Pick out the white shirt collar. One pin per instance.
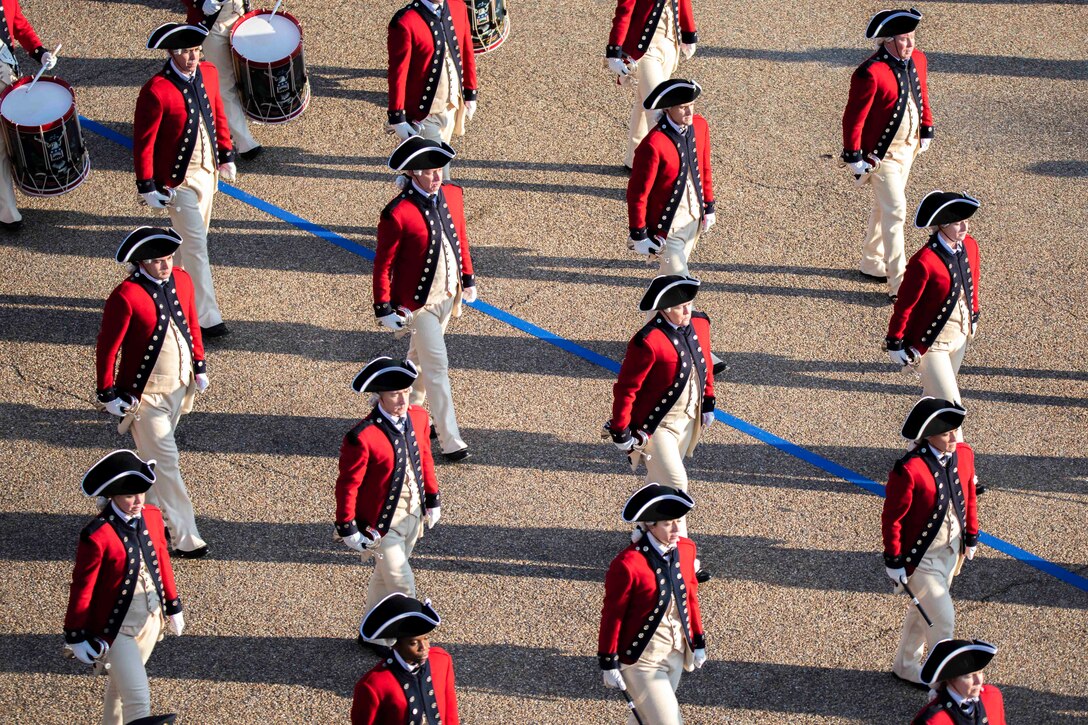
(186, 77)
(658, 546)
(400, 660)
(430, 6)
(679, 129)
(960, 699)
(159, 282)
(947, 243)
(124, 517)
(425, 194)
(390, 417)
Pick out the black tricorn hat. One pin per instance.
(118, 473)
(155, 720)
(888, 23)
(944, 207)
(176, 36)
(668, 290)
(657, 502)
(398, 616)
(673, 92)
(148, 243)
(932, 416)
(954, 657)
(416, 153)
(384, 373)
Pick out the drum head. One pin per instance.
(266, 38)
(44, 103)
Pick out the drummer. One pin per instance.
(220, 17)
(15, 27)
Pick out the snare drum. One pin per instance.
(41, 129)
(490, 24)
(267, 52)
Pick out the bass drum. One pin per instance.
(268, 63)
(41, 129)
(490, 24)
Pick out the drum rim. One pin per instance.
(47, 126)
(503, 34)
(83, 176)
(265, 64)
(274, 120)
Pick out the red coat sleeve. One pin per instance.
(450, 705)
(921, 63)
(399, 43)
(687, 22)
(423, 438)
(643, 173)
(696, 618)
(910, 294)
(977, 273)
(633, 371)
(704, 167)
(897, 499)
(21, 29)
(145, 127)
(353, 460)
(970, 505)
(621, 21)
(862, 92)
(111, 334)
(84, 575)
(222, 126)
(462, 232)
(389, 234)
(617, 593)
(172, 605)
(194, 327)
(365, 704)
(194, 14)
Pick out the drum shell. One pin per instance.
(490, 24)
(47, 159)
(276, 91)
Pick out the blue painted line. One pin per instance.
(590, 356)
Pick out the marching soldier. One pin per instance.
(953, 671)
(432, 71)
(887, 122)
(387, 487)
(670, 196)
(150, 320)
(929, 526)
(219, 17)
(181, 145)
(15, 28)
(644, 48)
(422, 274)
(664, 396)
(122, 590)
(937, 312)
(651, 630)
(413, 683)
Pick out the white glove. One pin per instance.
(688, 49)
(48, 61)
(228, 171)
(393, 321)
(470, 109)
(924, 145)
(899, 576)
(899, 357)
(644, 247)
(156, 199)
(354, 541)
(974, 328)
(860, 168)
(626, 446)
(709, 220)
(87, 651)
(201, 382)
(468, 294)
(372, 539)
(404, 130)
(117, 407)
(613, 680)
(618, 67)
(211, 7)
(177, 623)
(700, 657)
(970, 554)
(433, 515)
(708, 419)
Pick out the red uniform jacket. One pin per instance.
(635, 22)
(635, 596)
(660, 172)
(409, 241)
(374, 458)
(918, 494)
(109, 554)
(19, 30)
(943, 710)
(417, 48)
(379, 695)
(658, 356)
(164, 130)
(877, 103)
(927, 296)
(133, 326)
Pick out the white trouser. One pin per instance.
(128, 694)
(930, 582)
(678, 247)
(217, 51)
(191, 215)
(9, 211)
(938, 369)
(427, 350)
(154, 435)
(652, 685)
(439, 127)
(392, 572)
(882, 254)
(661, 60)
(667, 449)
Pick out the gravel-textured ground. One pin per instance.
(800, 622)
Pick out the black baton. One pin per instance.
(631, 704)
(915, 602)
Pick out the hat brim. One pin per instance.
(672, 294)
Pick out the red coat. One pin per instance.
(636, 21)
(939, 711)
(164, 127)
(875, 107)
(379, 695)
(130, 325)
(20, 31)
(927, 298)
(99, 596)
(630, 596)
(372, 470)
(918, 493)
(414, 67)
(656, 178)
(645, 389)
(409, 239)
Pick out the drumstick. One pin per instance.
(42, 69)
(276, 9)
